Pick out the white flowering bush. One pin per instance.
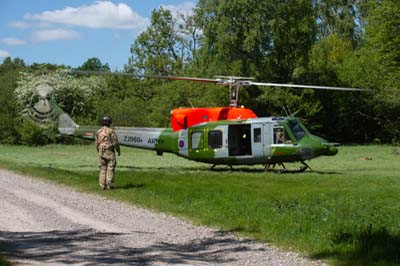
(73, 94)
(35, 92)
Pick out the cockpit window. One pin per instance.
(296, 129)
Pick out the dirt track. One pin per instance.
(45, 224)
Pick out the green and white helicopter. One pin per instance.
(231, 135)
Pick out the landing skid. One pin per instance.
(305, 166)
(212, 168)
(270, 167)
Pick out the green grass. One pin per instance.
(346, 212)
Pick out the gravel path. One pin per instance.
(45, 224)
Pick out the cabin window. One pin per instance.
(257, 135)
(215, 139)
(197, 142)
(281, 136)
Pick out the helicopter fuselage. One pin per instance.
(267, 140)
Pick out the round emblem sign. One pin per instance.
(181, 143)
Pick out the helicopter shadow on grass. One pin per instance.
(130, 186)
(227, 169)
(273, 171)
(325, 172)
(372, 247)
(223, 169)
(160, 168)
(148, 168)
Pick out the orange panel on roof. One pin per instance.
(182, 118)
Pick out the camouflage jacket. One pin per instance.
(106, 139)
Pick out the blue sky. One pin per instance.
(70, 32)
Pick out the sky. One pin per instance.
(68, 32)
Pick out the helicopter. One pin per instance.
(231, 135)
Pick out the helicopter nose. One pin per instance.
(330, 150)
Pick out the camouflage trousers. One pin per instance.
(107, 163)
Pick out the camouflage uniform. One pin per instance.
(107, 145)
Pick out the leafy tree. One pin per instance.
(94, 64)
(293, 31)
(9, 63)
(236, 36)
(326, 59)
(126, 100)
(266, 39)
(33, 135)
(340, 17)
(376, 67)
(191, 34)
(9, 73)
(383, 31)
(165, 47)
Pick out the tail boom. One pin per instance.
(158, 139)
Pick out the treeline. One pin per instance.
(352, 43)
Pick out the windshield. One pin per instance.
(296, 129)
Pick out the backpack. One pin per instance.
(104, 139)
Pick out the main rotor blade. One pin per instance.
(185, 78)
(234, 78)
(88, 72)
(305, 86)
(221, 80)
(106, 73)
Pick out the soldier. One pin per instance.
(279, 137)
(107, 145)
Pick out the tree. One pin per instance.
(236, 36)
(9, 73)
(383, 31)
(94, 64)
(376, 67)
(343, 18)
(165, 47)
(293, 34)
(8, 62)
(266, 39)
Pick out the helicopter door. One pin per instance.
(257, 140)
(239, 140)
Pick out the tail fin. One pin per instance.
(66, 125)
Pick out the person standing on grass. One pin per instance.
(107, 145)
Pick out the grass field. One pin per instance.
(346, 212)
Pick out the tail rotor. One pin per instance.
(43, 111)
